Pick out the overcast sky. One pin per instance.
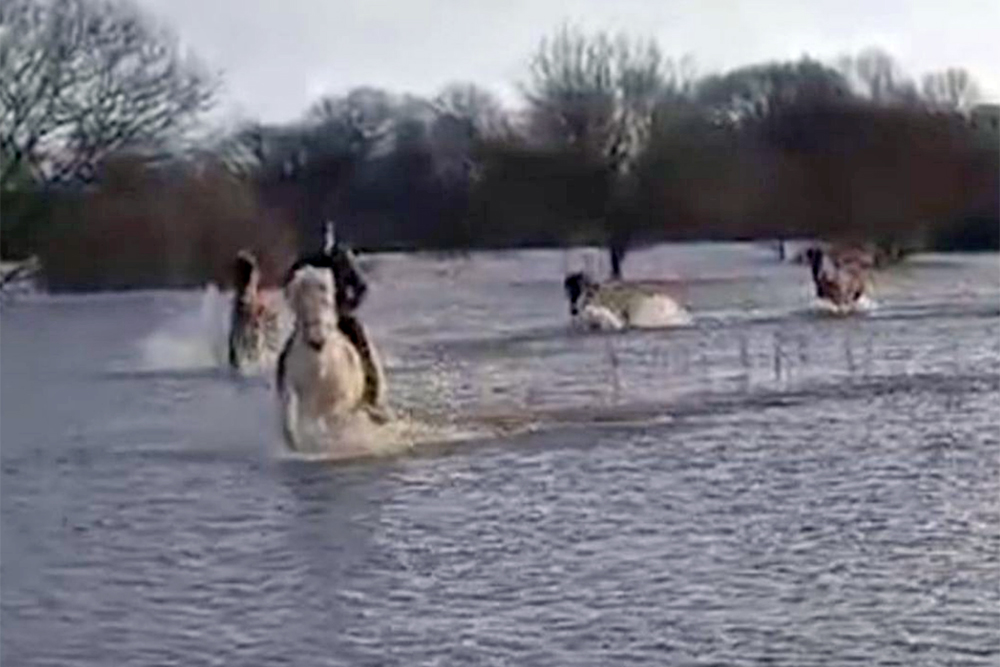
(280, 55)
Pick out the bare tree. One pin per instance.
(465, 117)
(86, 78)
(363, 118)
(475, 105)
(597, 94)
(952, 89)
(875, 75)
(757, 92)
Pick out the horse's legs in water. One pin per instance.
(374, 394)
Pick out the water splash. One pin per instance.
(192, 341)
(658, 311)
(865, 304)
(198, 339)
(356, 436)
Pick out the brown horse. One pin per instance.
(254, 332)
(843, 280)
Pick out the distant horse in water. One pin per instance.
(843, 280)
(254, 331)
(619, 305)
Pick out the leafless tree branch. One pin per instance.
(92, 77)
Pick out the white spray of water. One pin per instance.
(658, 311)
(357, 436)
(865, 304)
(194, 340)
(198, 339)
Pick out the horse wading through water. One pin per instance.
(254, 328)
(321, 375)
(841, 279)
(620, 305)
(324, 290)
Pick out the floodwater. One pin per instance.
(771, 485)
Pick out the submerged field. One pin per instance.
(771, 484)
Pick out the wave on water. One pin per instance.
(358, 437)
(863, 305)
(194, 340)
(198, 339)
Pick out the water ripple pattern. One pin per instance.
(771, 485)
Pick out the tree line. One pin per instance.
(109, 175)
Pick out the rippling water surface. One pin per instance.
(770, 485)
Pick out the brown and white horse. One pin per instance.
(254, 328)
(620, 305)
(841, 277)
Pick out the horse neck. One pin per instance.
(247, 294)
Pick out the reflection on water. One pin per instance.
(772, 484)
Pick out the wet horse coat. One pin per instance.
(351, 289)
(254, 331)
(842, 281)
(321, 377)
(620, 305)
